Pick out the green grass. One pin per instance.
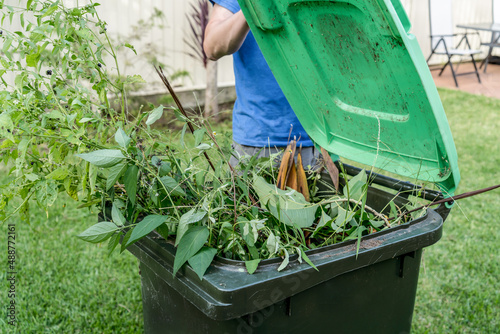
(459, 289)
(66, 285)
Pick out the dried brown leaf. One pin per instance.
(286, 165)
(332, 169)
(302, 179)
(292, 178)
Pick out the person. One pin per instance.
(263, 121)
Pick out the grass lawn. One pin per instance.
(459, 284)
(65, 285)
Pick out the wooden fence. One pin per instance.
(128, 19)
(123, 14)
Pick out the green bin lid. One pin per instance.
(359, 83)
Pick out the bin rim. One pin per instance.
(227, 291)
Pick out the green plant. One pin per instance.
(61, 132)
(198, 19)
(147, 53)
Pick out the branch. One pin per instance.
(449, 199)
(181, 108)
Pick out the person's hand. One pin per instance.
(225, 32)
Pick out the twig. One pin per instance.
(449, 199)
(181, 108)
(368, 208)
(19, 207)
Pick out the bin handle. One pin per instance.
(403, 17)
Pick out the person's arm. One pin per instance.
(225, 32)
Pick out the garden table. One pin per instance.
(494, 28)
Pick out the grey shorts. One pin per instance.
(311, 156)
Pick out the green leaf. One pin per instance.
(31, 177)
(85, 34)
(165, 168)
(202, 260)
(32, 59)
(55, 114)
(77, 103)
(85, 120)
(70, 119)
(20, 80)
(358, 234)
(71, 189)
(103, 158)
(285, 262)
(308, 261)
(113, 242)
(341, 219)
(183, 133)
(299, 253)
(203, 147)
(155, 161)
(252, 265)
(131, 176)
(190, 217)
(46, 192)
(146, 226)
(132, 79)
(117, 216)
(22, 148)
(98, 232)
(24, 212)
(122, 139)
(155, 115)
(59, 174)
(322, 221)
(163, 231)
(394, 209)
(7, 43)
(334, 209)
(356, 187)
(92, 178)
(272, 243)
(6, 127)
(115, 172)
(289, 206)
(172, 186)
(50, 10)
(377, 223)
(131, 47)
(125, 239)
(250, 233)
(198, 136)
(192, 241)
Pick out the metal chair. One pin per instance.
(441, 24)
(495, 37)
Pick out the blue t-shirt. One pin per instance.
(262, 115)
